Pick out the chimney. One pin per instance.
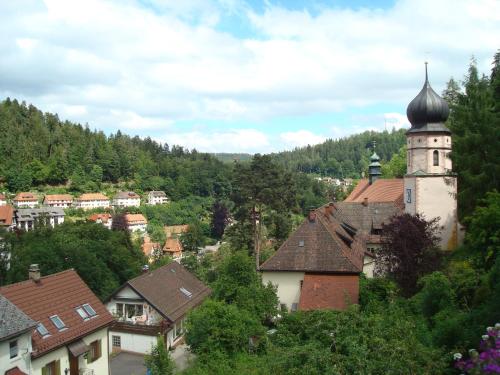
(365, 202)
(312, 216)
(34, 273)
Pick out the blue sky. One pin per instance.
(236, 75)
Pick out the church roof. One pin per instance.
(427, 112)
(381, 190)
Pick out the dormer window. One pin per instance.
(58, 322)
(435, 158)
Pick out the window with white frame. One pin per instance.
(116, 341)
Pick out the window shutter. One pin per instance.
(98, 349)
(58, 367)
(44, 370)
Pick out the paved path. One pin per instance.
(128, 364)
(133, 364)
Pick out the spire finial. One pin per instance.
(426, 75)
(374, 144)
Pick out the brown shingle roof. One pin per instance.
(6, 215)
(92, 197)
(26, 197)
(57, 294)
(382, 190)
(366, 217)
(328, 292)
(126, 195)
(58, 197)
(320, 245)
(162, 289)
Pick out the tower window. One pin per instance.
(435, 158)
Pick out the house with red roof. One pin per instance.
(318, 266)
(25, 200)
(104, 219)
(7, 217)
(71, 323)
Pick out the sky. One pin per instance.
(235, 75)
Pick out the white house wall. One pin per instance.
(100, 366)
(288, 284)
(133, 342)
(23, 357)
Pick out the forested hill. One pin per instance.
(37, 149)
(345, 157)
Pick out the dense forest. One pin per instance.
(345, 157)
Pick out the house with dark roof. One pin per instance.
(318, 266)
(126, 199)
(157, 197)
(154, 303)
(15, 339)
(29, 218)
(71, 335)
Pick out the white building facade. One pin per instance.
(157, 197)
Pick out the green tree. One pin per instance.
(216, 326)
(238, 283)
(159, 361)
(396, 167)
(258, 187)
(193, 239)
(475, 123)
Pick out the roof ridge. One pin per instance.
(42, 277)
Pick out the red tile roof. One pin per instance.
(57, 294)
(14, 371)
(26, 197)
(6, 215)
(92, 197)
(173, 245)
(58, 197)
(135, 219)
(103, 217)
(334, 292)
(382, 190)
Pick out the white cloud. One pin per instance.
(145, 67)
(301, 138)
(235, 140)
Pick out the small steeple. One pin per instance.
(374, 169)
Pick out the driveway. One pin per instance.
(128, 364)
(133, 364)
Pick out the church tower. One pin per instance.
(430, 188)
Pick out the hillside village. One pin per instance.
(391, 257)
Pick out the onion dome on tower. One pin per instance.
(428, 111)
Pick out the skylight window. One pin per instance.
(186, 292)
(89, 310)
(57, 322)
(42, 330)
(301, 243)
(83, 314)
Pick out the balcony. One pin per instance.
(145, 329)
